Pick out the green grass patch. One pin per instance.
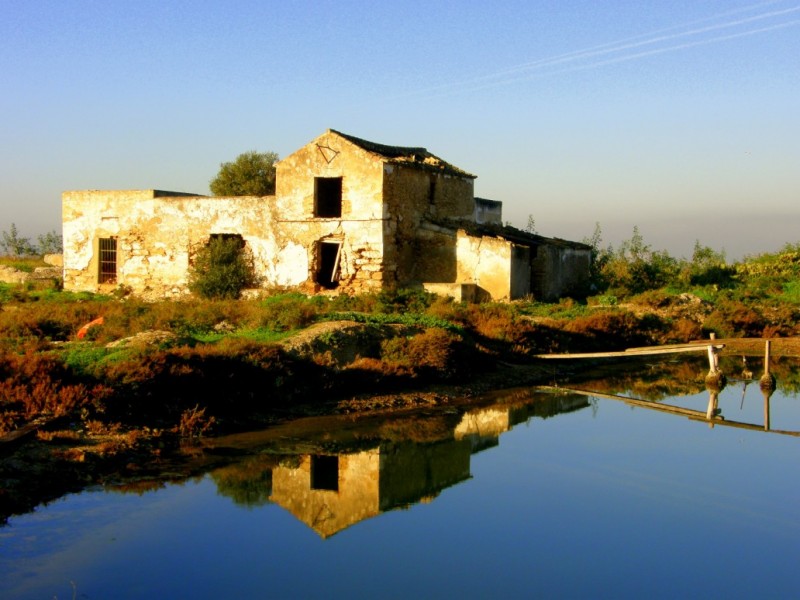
(566, 309)
(26, 265)
(791, 292)
(45, 292)
(84, 358)
(410, 319)
(260, 334)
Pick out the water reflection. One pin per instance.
(715, 382)
(333, 477)
(333, 472)
(246, 515)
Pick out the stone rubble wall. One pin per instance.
(12, 275)
(158, 236)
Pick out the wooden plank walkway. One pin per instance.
(700, 346)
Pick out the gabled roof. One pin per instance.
(418, 156)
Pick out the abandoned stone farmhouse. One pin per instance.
(348, 216)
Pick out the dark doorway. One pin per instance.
(328, 259)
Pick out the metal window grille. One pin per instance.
(108, 260)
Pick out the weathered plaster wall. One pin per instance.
(414, 196)
(361, 225)
(486, 262)
(559, 271)
(434, 257)
(156, 237)
(520, 271)
(330, 156)
(488, 211)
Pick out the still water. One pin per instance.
(522, 493)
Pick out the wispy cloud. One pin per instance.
(669, 39)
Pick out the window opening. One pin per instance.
(432, 190)
(330, 254)
(107, 268)
(328, 197)
(325, 472)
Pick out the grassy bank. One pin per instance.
(183, 367)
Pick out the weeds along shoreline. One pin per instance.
(185, 366)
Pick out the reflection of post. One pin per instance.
(713, 401)
(767, 381)
(767, 394)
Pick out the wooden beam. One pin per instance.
(651, 351)
(678, 410)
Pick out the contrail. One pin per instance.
(527, 71)
(638, 55)
(653, 40)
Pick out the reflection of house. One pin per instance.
(347, 214)
(330, 492)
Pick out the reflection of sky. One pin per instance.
(616, 502)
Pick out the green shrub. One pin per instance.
(403, 300)
(432, 351)
(222, 269)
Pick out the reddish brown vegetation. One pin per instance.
(35, 384)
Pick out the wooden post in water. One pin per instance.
(712, 355)
(767, 381)
(715, 378)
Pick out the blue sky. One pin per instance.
(680, 117)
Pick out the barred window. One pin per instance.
(107, 268)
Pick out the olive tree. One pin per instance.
(251, 174)
(13, 244)
(50, 243)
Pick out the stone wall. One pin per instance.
(361, 227)
(414, 197)
(488, 211)
(486, 262)
(344, 217)
(434, 257)
(559, 271)
(157, 236)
